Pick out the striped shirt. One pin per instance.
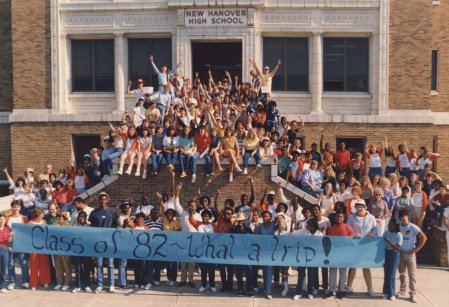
(154, 225)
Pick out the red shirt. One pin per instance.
(60, 196)
(202, 142)
(4, 236)
(223, 226)
(341, 230)
(71, 194)
(342, 158)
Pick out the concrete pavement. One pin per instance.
(432, 283)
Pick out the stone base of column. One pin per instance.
(317, 112)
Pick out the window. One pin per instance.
(93, 65)
(294, 54)
(346, 62)
(138, 51)
(434, 82)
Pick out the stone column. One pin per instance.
(119, 58)
(317, 73)
(62, 82)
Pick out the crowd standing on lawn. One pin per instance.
(189, 121)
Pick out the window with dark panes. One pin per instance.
(92, 65)
(294, 54)
(345, 65)
(139, 50)
(434, 81)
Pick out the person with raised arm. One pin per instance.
(163, 75)
(247, 204)
(266, 76)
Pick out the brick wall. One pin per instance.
(131, 186)
(410, 54)
(31, 60)
(5, 56)
(5, 148)
(440, 41)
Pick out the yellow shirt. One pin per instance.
(251, 144)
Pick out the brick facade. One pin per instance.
(410, 54)
(5, 148)
(5, 56)
(31, 60)
(440, 41)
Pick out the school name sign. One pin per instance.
(288, 250)
(216, 17)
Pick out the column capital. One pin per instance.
(317, 33)
(119, 34)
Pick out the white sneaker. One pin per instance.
(238, 169)
(202, 289)
(183, 174)
(156, 283)
(371, 293)
(76, 290)
(392, 298)
(112, 289)
(310, 296)
(348, 290)
(170, 283)
(413, 299)
(120, 171)
(33, 288)
(57, 287)
(258, 166)
(45, 285)
(284, 292)
(65, 288)
(11, 286)
(296, 297)
(245, 171)
(193, 178)
(136, 286)
(231, 177)
(88, 290)
(148, 286)
(144, 176)
(137, 174)
(128, 171)
(256, 289)
(213, 289)
(25, 285)
(142, 287)
(3, 290)
(98, 290)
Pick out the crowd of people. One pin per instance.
(187, 122)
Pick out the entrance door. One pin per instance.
(353, 144)
(218, 57)
(82, 144)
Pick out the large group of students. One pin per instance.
(185, 122)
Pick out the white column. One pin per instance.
(317, 73)
(119, 57)
(63, 83)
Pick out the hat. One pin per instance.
(141, 98)
(87, 156)
(103, 193)
(265, 138)
(296, 152)
(266, 67)
(140, 81)
(259, 103)
(124, 203)
(240, 216)
(287, 218)
(360, 204)
(271, 193)
(106, 138)
(30, 170)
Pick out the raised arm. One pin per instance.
(155, 69)
(253, 62)
(216, 204)
(262, 200)
(276, 68)
(10, 181)
(252, 197)
(282, 197)
(128, 91)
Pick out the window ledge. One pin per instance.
(347, 95)
(436, 2)
(290, 94)
(434, 93)
(92, 94)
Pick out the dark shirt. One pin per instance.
(103, 218)
(244, 230)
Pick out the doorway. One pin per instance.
(353, 143)
(219, 57)
(82, 144)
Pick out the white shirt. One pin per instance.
(403, 159)
(144, 209)
(184, 217)
(374, 160)
(74, 216)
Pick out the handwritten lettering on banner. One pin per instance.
(216, 17)
(286, 250)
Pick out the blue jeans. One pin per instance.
(247, 156)
(390, 268)
(153, 269)
(82, 271)
(4, 254)
(116, 154)
(23, 260)
(311, 275)
(100, 271)
(170, 157)
(389, 170)
(122, 273)
(156, 161)
(267, 278)
(374, 171)
(239, 269)
(206, 158)
(405, 171)
(207, 269)
(184, 161)
(226, 275)
(308, 190)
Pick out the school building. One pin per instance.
(356, 70)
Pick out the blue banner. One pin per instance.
(287, 250)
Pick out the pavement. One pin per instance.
(432, 284)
